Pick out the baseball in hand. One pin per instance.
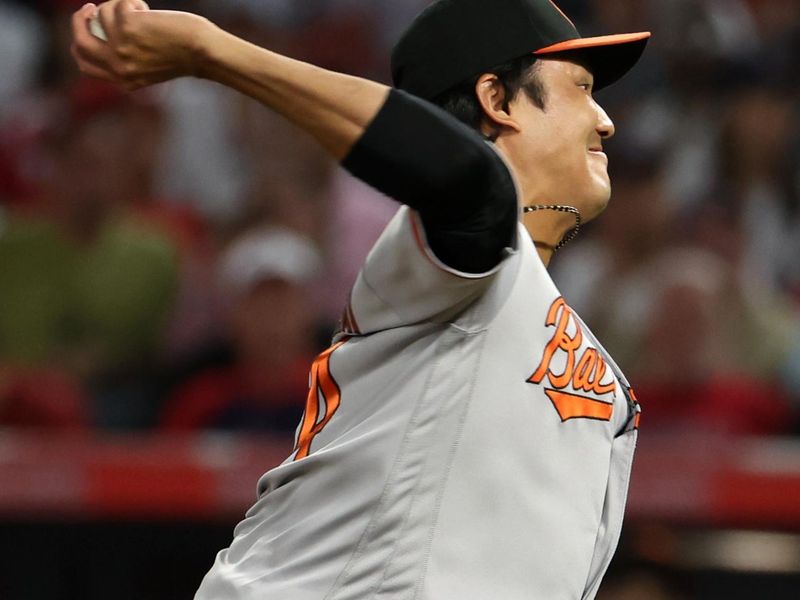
(96, 27)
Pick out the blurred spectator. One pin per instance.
(758, 182)
(199, 161)
(295, 183)
(264, 277)
(700, 355)
(85, 282)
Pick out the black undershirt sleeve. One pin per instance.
(421, 156)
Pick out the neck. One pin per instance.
(545, 252)
(547, 228)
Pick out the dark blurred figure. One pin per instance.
(638, 584)
(757, 185)
(263, 279)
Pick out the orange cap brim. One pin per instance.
(593, 42)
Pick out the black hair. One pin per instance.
(518, 74)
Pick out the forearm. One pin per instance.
(333, 107)
(412, 152)
(403, 146)
(415, 154)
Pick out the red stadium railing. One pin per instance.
(702, 479)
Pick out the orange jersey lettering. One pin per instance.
(582, 372)
(323, 393)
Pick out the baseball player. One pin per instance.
(465, 436)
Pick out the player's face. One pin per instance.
(558, 155)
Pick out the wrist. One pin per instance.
(205, 41)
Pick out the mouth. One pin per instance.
(598, 151)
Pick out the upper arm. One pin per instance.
(462, 189)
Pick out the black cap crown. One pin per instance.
(453, 40)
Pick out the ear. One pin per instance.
(496, 108)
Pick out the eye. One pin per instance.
(586, 86)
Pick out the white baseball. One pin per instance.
(96, 27)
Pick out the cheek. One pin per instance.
(559, 154)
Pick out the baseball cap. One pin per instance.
(273, 252)
(452, 40)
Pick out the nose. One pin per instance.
(605, 126)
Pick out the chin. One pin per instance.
(594, 193)
(595, 204)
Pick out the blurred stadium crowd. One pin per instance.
(172, 259)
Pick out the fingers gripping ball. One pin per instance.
(96, 27)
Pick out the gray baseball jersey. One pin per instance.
(465, 437)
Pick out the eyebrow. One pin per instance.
(587, 72)
(586, 77)
(579, 61)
